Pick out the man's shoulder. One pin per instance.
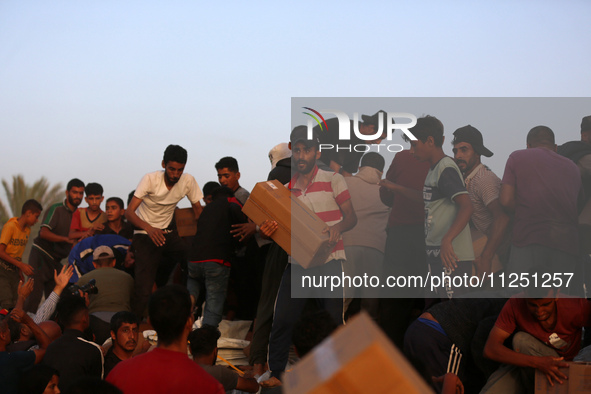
(157, 359)
(153, 177)
(328, 176)
(60, 208)
(186, 179)
(445, 164)
(105, 272)
(11, 225)
(71, 338)
(485, 175)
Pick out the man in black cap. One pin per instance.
(326, 194)
(488, 218)
(342, 157)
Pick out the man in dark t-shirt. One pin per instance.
(53, 243)
(124, 334)
(212, 251)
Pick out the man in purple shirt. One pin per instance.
(542, 189)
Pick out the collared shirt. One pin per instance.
(324, 195)
(484, 187)
(57, 219)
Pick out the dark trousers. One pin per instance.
(432, 353)
(9, 278)
(404, 255)
(154, 264)
(44, 267)
(288, 311)
(272, 274)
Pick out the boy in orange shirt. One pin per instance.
(14, 238)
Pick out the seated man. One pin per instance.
(124, 334)
(114, 295)
(547, 331)
(166, 369)
(73, 355)
(203, 344)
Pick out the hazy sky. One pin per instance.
(97, 90)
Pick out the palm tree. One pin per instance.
(20, 192)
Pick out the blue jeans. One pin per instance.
(212, 278)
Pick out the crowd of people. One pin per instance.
(104, 274)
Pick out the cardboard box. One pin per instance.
(186, 223)
(300, 230)
(579, 380)
(356, 358)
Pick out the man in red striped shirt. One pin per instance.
(326, 194)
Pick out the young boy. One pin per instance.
(229, 176)
(14, 238)
(85, 221)
(447, 206)
(116, 223)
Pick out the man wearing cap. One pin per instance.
(342, 157)
(542, 189)
(280, 157)
(483, 186)
(580, 153)
(326, 194)
(115, 288)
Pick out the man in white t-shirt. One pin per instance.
(151, 210)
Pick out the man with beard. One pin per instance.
(547, 332)
(124, 334)
(327, 195)
(151, 210)
(483, 187)
(53, 243)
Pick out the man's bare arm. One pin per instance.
(497, 233)
(50, 236)
(448, 255)
(507, 197)
(250, 385)
(197, 209)
(155, 234)
(349, 221)
(25, 268)
(497, 351)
